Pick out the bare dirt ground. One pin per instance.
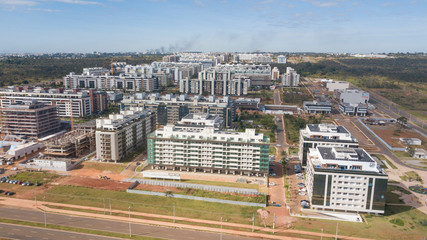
(363, 140)
(95, 171)
(392, 132)
(94, 183)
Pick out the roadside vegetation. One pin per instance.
(33, 177)
(293, 124)
(382, 158)
(295, 96)
(261, 122)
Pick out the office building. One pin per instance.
(317, 107)
(338, 85)
(290, 78)
(314, 135)
(120, 134)
(345, 179)
(29, 119)
(172, 108)
(208, 150)
(353, 102)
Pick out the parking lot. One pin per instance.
(297, 189)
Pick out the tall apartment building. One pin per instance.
(170, 108)
(120, 134)
(30, 119)
(314, 135)
(201, 120)
(345, 179)
(205, 149)
(69, 102)
(275, 74)
(290, 78)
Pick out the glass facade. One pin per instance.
(328, 191)
(380, 190)
(368, 197)
(318, 189)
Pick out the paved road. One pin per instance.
(25, 232)
(107, 225)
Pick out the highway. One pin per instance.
(26, 232)
(97, 224)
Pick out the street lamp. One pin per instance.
(44, 211)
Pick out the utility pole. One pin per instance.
(174, 213)
(35, 197)
(321, 235)
(104, 206)
(110, 205)
(336, 233)
(274, 221)
(130, 229)
(253, 222)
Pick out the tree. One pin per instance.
(402, 120)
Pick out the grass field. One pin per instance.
(218, 195)
(411, 176)
(150, 204)
(402, 154)
(393, 197)
(293, 151)
(224, 184)
(33, 177)
(376, 227)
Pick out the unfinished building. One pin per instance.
(76, 143)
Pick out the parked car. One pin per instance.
(272, 184)
(9, 193)
(272, 174)
(14, 169)
(38, 184)
(301, 185)
(301, 193)
(302, 190)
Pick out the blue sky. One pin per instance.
(38, 26)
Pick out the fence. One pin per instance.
(197, 198)
(379, 138)
(211, 188)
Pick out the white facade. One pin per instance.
(47, 163)
(275, 74)
(340, 85)
(314, 135)
(209, 150)
(290, 78)
(281, 59)
(345, 179)
(353, 96)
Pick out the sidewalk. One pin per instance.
(31, 204)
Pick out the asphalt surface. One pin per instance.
(25, 232)
(102, 225)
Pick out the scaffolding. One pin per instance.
(72, 144)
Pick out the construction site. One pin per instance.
(74, 144)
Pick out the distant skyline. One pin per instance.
(47, 26)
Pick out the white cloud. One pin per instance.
(44, 10)
(18, 2)
(80, 2)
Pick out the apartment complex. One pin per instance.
(281, 59)
(120, 134)
(204, 149)
(345, 179)
(314, 135)
(275, 74)
(227, 79)
(68, 103)
(29, 119)
(171, 108)
(290, 78)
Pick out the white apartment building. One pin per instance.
(201, 120)
(208, 150)
(345, 179)
(281, 59)
(275, 74)
(290, 78)
(68, 102)
(323, 135)
(120, 134)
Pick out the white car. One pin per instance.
(272, 184)
(301, 193)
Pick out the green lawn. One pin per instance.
(393, 197)
(224, 184)
(150, 204)
(208, 194)
(402, 154)
(376, 227)
(33, 177)
(293, 151)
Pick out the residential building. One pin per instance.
(275, 74)
(290, 78)
(49, 163)
(281, 59)
(317, 107)
(201, 120)
(324, 134)
(208, 150)
(29, 119)
(120, 134)
(345, 179)
(172, 108)
(76, 103)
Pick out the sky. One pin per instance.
(341, 26)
